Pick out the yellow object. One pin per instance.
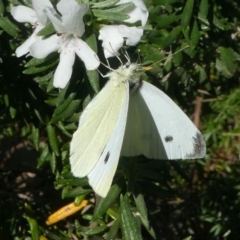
(147, 68)
(65, 212)
(42, 238)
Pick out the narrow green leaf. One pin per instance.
(203, 9)
(43, 156)
(34, 228)
(62, 107)
(80, 182)
(227, 64)
(13, 112)
(104, 4)
(52, 139)
(8, 26)
(173, 35)
(44, 78)
(187, 13)
(95, 230)
(45, 66)
(48, 30)
(129, 225)
(121, 8)
(51, 101)
(53, 162)
(75, 192)
(103, 14)
(164, 21)
(78, 200)
(195, 35)
(141, 206)
(113, 231)
(93, 78)
(105, 203)
(69, 111)
(35, 137)
(1, 8)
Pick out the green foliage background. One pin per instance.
(162, 199)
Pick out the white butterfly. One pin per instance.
(130, 117)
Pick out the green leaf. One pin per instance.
(80, 182)
(105, 203)
(59, 111)
(43, 157)
(53, 162)
(35, 137)
(93, 78)
(141, 206)
(42, 67)
(44, 78)
(48, 30)
(104, 4)
(8, 26)
(75, 192)
(172, 36)
(95, 230)
(1, 8)
(164, 21)
(226, 65)
(52, 139)
(34, 228)
(129, 225)
(69, 111)
(113, 231)
(195, 35)
(121, 8)
(203, 9)
(103, 14)
(187, 13)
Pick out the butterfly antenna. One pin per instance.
(139, 58)
(106, 66)
(126, 55)
(116, 55)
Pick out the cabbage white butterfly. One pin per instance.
(130, 117)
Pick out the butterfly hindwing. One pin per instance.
(158, 128)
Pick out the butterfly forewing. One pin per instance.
(158, 128)
(95, 128)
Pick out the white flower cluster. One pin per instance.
(70, 28)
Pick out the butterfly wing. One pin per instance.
(158, 128)
(96, 126)
(101, 176)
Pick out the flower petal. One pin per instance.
(24, 14)
(112, 40)
(44, 47)
(65, 67)
(132, 34)
(140, 12)
(87, 55)
(38, 6)
(72, 16)
(24, 48)
(55, 19)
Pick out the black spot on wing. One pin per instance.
(106, 157)
(199, 147)
(168, 139)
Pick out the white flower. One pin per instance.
(70, 28)
(34, 16)
(113, 36)
(139, 12)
